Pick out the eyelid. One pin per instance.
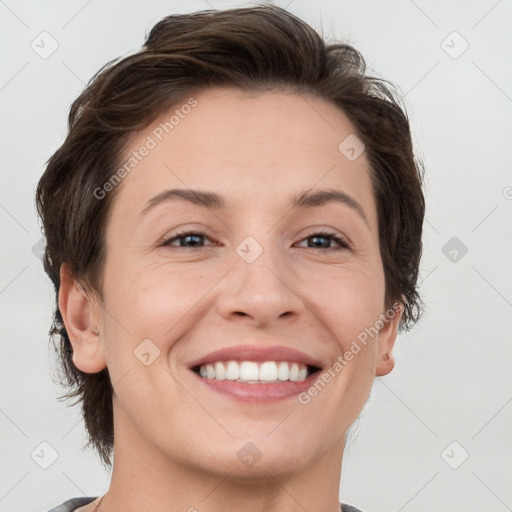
(344, 243)
(187, 232)
(199, 229)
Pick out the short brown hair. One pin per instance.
(253, 49)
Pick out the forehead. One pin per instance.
(253, 148)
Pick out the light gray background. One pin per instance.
(452, 380)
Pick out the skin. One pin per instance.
(176, 442)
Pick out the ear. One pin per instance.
(80, 319)
(386, 340)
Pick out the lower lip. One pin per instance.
(259, 392)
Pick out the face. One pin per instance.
(259, 275)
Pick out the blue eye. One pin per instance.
(196, 238)
(188, 237)
(326, 235)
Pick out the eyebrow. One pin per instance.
(211, 200)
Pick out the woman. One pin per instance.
(233, 230)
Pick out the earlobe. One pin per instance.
(78, 315)
(386, 341)
(385, 365)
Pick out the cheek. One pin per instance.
(349, 298)
(161, 302)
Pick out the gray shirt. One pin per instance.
(74, 503)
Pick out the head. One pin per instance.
(253, 107)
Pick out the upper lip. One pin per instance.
(257, 353)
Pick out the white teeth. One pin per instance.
(210, 371)
(233, 371)
(254, 373)
(283, 371)
(268, 371)
(220, 371)
(248, 371)
(294, 372)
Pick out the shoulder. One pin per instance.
(73, 504)
(349, 508)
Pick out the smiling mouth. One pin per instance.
(252, 372)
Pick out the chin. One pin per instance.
(249, 460)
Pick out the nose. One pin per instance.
(261, 292)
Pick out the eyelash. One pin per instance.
(327, 234)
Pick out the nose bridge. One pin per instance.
(260, 247)
(259, 285)
(259, 263)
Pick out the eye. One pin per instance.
(195, 240)
(320, 237)
(189, 237)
